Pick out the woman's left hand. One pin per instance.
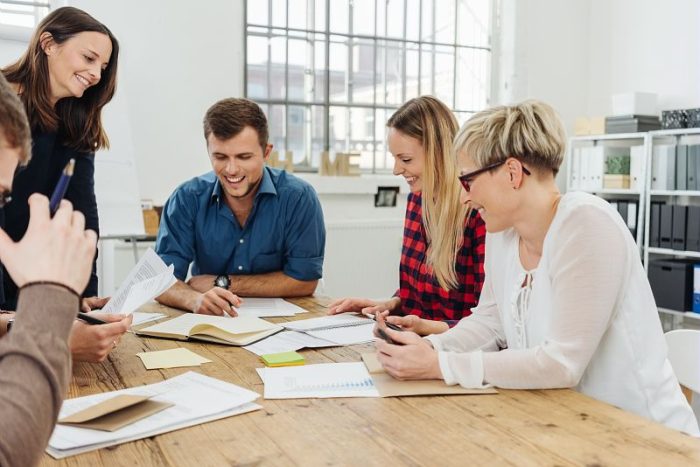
(415, 359)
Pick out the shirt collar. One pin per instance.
(267, 186)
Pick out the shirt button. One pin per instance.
(241, 240)
(240, 268)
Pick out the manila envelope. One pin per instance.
(115, 413)
(388, 386)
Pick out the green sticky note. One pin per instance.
(283, 359)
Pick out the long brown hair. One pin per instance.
(79, 118)
(432, 123)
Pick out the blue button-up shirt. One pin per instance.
(284, 231)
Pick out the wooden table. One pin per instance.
(547, 427)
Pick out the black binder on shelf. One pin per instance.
(681, 167)
(666, 226)
(678, 231)
(692, 232)
(622, 209)
(696, 152)
(654, 220)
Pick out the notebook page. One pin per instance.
(327, 322)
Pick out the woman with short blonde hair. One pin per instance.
(566, 301)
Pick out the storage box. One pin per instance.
(674, 119)
(634, 103)
(616, 181)
(151, 221)
(672, 283)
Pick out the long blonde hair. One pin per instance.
(432, 123)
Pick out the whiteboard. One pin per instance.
(116, 181)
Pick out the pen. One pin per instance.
(90, 319)
(61, 186)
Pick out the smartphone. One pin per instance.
(383, 335)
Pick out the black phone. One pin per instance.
(383, 335)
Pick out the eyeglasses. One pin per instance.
(468, 178)
(5, 197)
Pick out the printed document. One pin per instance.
(324, 380)
(149, 278)
(196, 398)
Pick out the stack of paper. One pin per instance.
(149, 278)
(196, 399)
(267, 308)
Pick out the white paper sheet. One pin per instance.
(197, 399)
(324, 380)
(287, 341)
(347, 335)
(148, 279)
(268, 307)
(139, 317)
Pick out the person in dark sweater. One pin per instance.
(64, 79)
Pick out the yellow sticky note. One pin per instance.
(283, 359)
(172, 358)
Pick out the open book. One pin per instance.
(242, 330)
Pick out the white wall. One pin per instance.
(575, 54)
(645, 45)
(176, 59)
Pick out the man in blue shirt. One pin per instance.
(246, 229)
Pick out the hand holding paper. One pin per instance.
(149, 278)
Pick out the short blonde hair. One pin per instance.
(530, 131)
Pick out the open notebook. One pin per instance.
(242, 330)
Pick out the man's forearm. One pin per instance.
(271, 284)
(180, 295)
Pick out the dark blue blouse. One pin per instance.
(49, 158)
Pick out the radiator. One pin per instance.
(362, 258)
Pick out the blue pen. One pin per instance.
(61, 187)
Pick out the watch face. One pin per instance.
(222, 281)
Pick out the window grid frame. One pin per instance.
(351, 39)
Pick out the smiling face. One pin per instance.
(409, 158)
(238, 163)
(77, 64)
(488, 194)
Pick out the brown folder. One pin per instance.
(388, 386)
(115, 413)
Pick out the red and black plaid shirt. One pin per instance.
(419, 290)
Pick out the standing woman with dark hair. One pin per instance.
(66, 76)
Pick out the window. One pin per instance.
(22, 13)
(329, 73)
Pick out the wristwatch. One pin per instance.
(222, 281)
